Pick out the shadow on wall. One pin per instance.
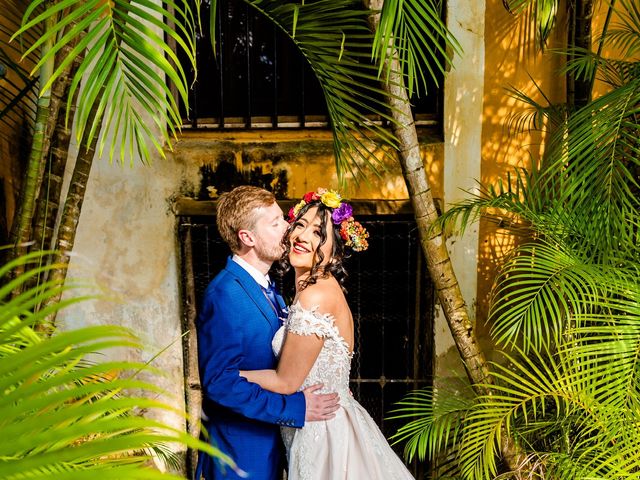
(512, 61)
(497, 244)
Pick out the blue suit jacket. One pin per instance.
(235, 328)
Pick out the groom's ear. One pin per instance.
(246, 238)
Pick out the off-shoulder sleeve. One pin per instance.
(310, 322)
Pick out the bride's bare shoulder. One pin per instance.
(320, 295)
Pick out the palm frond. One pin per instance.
(524, 203)
(125, 68)
(67, 418)
(585, 64)
(436, 419)
(537, 292)
(545, 388)
(334, 37)
(414, 29)
(593, 171)
(606, 338)
(541, 13)
(624, 35)
(537, 117)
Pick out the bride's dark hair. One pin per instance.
(335, 266)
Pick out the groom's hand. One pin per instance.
(320, 406)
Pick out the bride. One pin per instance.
(315, 345)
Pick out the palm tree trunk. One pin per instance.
(68, 225)
(431, 237)
(71, 215)
(49, 198)
(433, 241)
(21, 232)
(579, 36)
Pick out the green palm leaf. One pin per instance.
(537, 117)
(415, 30)
(64, 417)
(125, 69)
(594, 172)
(607, 339)
(541, 13)
(538, 291)
(436, 420)
(624, 36)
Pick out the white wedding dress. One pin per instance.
(349, 446)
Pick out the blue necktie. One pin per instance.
(271, 292)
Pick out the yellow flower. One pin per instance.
(331, 199)
(298, 207)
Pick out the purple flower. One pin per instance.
(342, 213)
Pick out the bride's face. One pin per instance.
(305, 241)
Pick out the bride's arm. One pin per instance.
(299, 353)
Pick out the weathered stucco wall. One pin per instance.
(126, 246)
(293, 161)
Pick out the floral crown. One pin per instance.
(352, 232)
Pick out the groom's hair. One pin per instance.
(238, 210)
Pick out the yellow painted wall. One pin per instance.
(511, 61)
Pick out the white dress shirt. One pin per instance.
(263, 280)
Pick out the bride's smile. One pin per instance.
(307, 242)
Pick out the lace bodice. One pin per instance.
(333, 364)
(350, 445)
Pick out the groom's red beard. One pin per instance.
(269, 253)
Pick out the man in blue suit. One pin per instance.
(239, 317)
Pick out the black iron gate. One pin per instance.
(390, 295)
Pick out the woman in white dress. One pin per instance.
(315, 345)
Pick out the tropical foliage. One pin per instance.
(64, 416)
(566, 303)
(125, 59)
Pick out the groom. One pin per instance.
(238, 319)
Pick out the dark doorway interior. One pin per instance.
(390, 295)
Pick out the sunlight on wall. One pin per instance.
(511, 62)
(599, 18)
